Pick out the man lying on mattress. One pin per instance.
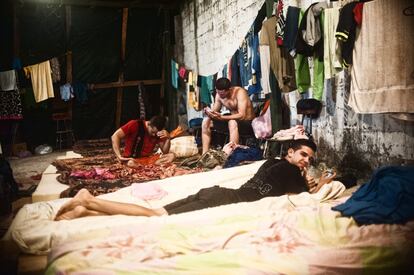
(274, 178)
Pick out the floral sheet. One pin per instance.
(297, 234)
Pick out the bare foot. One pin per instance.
(78, 200)
(77, 212)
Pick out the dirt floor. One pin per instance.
(27, 173)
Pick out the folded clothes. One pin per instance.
(295, 132)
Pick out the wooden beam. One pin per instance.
(130, 83)
(119, 93)
(164, 4)
(16, 36)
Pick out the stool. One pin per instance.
(63, 129)
(280, 142)
(309, 108)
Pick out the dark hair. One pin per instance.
(223, 84)
(158, 122)
(298, 143)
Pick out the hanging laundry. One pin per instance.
(254, 85)
(41, 76)
(224, 71)
(332, 51)
(235, 72)
(382, 73)
(55, 67)
(206, 83)
(66, 92)
(269, 8)
(80, 91)
(8, 80)
(264, 68)
(183, 73)
(346, 33)
(141, 103)
(281, 62)
(174, 74)
(358, 13)
(280, 25)
(10, 105)
(291, 30)
(17, 64)
(303, 50)
(310, 39)
(244, 60)
(192, 102)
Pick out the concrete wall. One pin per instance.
(212, 31)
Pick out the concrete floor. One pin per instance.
(27, 173)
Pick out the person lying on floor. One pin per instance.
(141, 137)
(274, 178)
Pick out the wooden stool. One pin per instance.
(63, 129)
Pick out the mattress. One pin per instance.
(34, 231)
(49, 188)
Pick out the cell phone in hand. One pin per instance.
(329, 173)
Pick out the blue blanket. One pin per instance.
(387, 198)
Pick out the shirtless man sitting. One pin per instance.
(237, 101)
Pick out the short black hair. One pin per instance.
(298, 143)
(158, 122)
(223, 84)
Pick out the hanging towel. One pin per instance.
(383, 69)
(174, 74)
(41, 76)
(206, 88)
(8, 80)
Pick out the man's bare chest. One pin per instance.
(230, 104)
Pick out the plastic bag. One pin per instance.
(43, 149)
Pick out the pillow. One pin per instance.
(183, 147)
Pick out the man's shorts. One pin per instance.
(245, 126)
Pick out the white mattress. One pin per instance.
(34, 231)
(49, 188)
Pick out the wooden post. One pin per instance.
(171, 94)
(119, 93)
(68, 18)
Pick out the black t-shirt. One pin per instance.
(274, 178)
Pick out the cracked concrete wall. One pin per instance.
(212, 31)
